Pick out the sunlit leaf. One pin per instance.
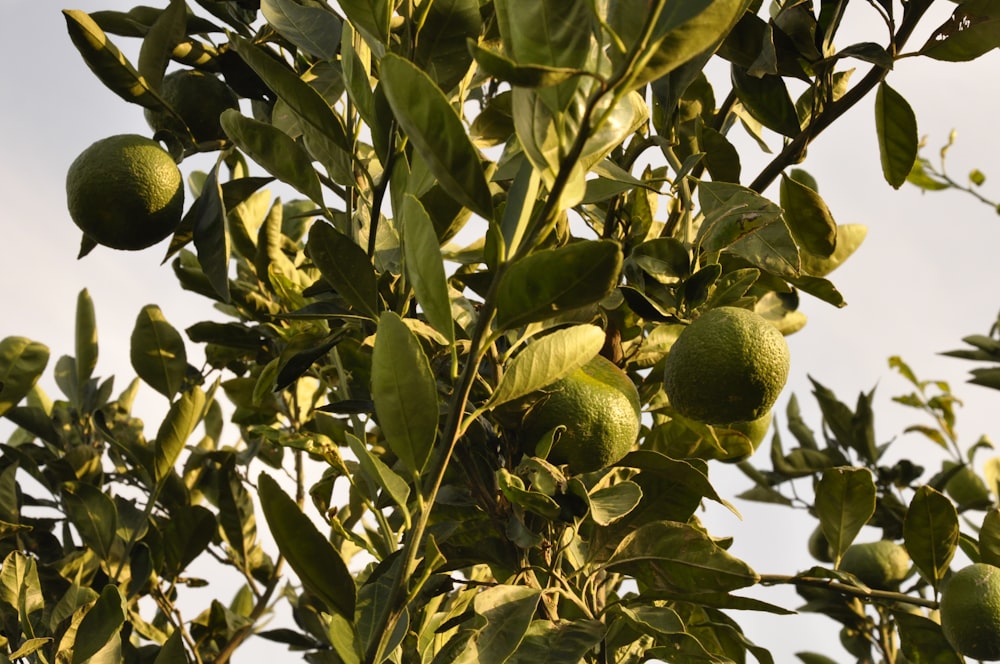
(425, 267)
(176, 428)
(22, 363)
(157, 352)
(808, 218)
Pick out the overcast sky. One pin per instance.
(924, 278)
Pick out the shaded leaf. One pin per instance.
(930, 532)
(100, 625)
(989, 538)
(405, 392)
(346, 267)
(896, 126)
(767, 100)
(378, 472)
(505, 612)
(922, 641)
(425, 267)
(315, 561)
(93, 514)
(972, 30)
(314, 30)
(845, 500)
(808, 217)
(275, 151)
(371, 19)
(207, 220)
(546, 282)
(157, 352)
(437, 133)
(159, 42)
(526, 76)
(176, 428)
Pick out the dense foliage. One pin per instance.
(469, 200)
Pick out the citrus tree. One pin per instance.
(452, 245)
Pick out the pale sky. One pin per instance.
(923, 279)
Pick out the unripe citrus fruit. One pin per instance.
(197, 97)
(125, 192)
(970, 611)
(741, 439)
(880, 565)
(599, 406)
(819, 546)
(729, 365)
(966, 487)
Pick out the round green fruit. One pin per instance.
(881, 565)
(966, 487)
(729, 365)
(125, 192)
(970, 611)
(819, 546)
(599, 407)
(740, 440)
(199, 99)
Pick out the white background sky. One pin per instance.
(924, 278)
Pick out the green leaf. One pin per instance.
(303, 99)
(529, 499)
(166, 32)
(845, 501)
(896, 126)
(550, 33)
(236, 514)
(442, 46)
(93, 514)
(609, 504)
(207, 219)
(177, 427)
(546, 360)
(525, 76)
(437, 133)
(972, 30)
(989, 538)
(20, 588)
(275, 151)
(425, 267)
(378, 472)
(808, 218)
(767, 100)
(86, 339)
(565, 641)
(100, 626)
(371, 19)
(677, 557)
(109, 64)
(405, 392)
(308, 552)
(505, 612)
(157, 352)
(22, 363)
(930, 532)
(550, 281)
(172, 650)
(345, 267)
(922, 641)
(314, 30)
(849, 238)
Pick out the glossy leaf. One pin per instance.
(308, 552)
(525, 76)
(100, 625)
(378, 472)
(405, 392)
(93, 514)
(22, 363)
(345, 267)
(437, 133)
(443, 45)
(371, 19)
(550, 281)
(808, 217)
(425, 268)
(108, 63)
(157, 352)
(677, 557)
(303, 99)
(921, 640)
(176, 428)
(172, 651)
(546, 360)
(930, 532)
(275, 151)
(316, 31)
(845, 501)
(896, 126)
(552, 33)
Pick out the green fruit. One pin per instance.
(125, 192)
(199, 99)
(729, 365)
(970, 611)
(599, 407)
(819, 546)
(880, 565)
(741, 439)
(966, 487)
